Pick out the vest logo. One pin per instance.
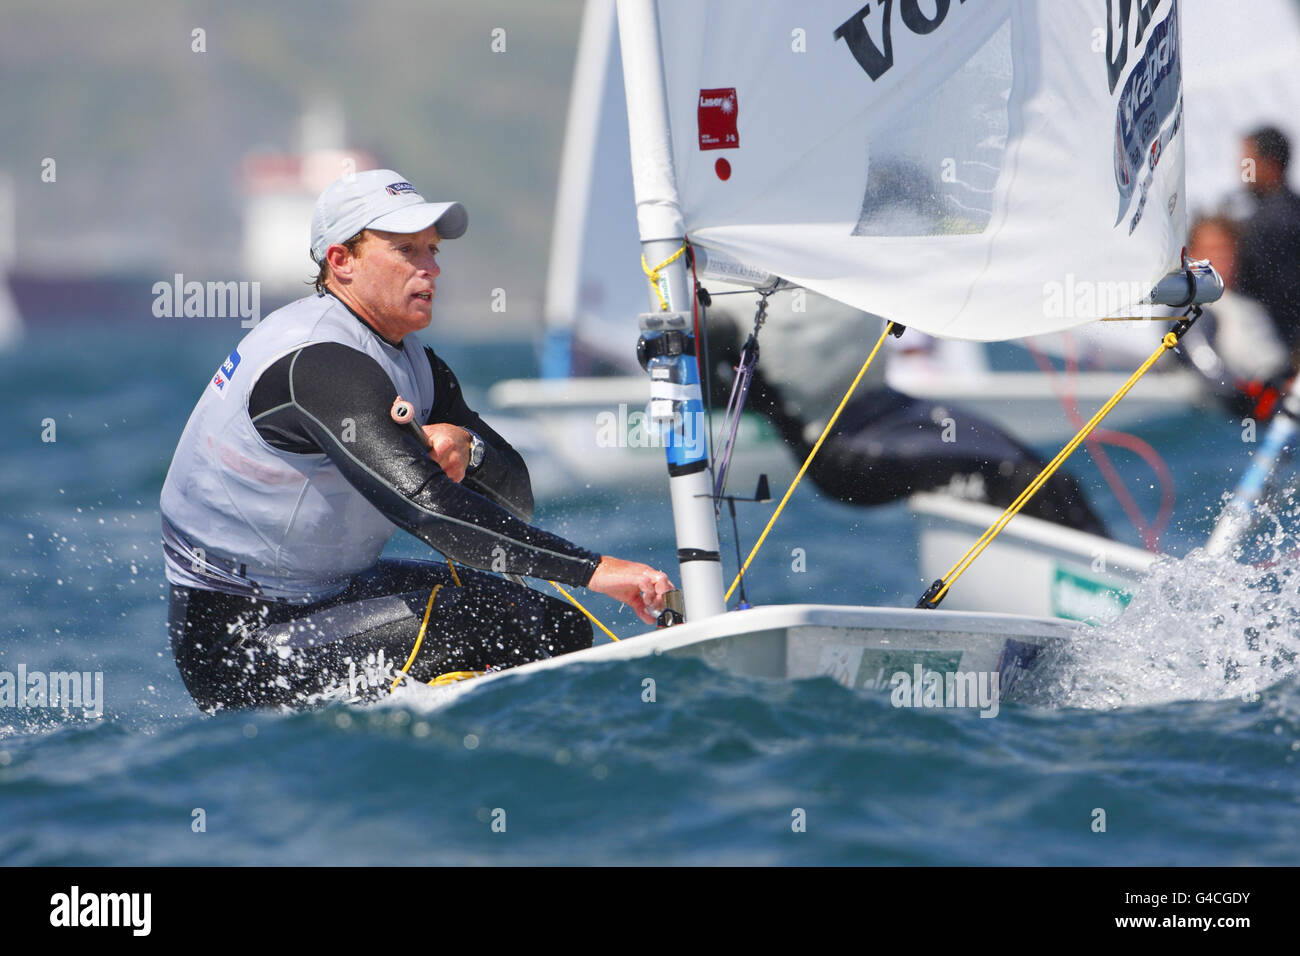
(396, 189)
(226, 372)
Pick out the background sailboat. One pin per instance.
(1240, 75)
(593, 284)
(11, 324)
(763, 132)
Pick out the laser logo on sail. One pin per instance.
(717, 119)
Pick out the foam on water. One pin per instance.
(1203, 627)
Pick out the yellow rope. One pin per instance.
(653, 275)
(418, 640)
(808, 461)
(592, 617)
(1170, 341)
(572, 600)
(452, 677)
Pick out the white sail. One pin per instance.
(954, 166)
(11, 323)
(594, 283)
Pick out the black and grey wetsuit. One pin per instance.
(286, 484)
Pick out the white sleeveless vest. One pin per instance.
(243, 517)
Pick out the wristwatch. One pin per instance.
(476, 450)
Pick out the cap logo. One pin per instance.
(399, 188)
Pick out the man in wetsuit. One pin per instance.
(291, 475)
(1268, 259)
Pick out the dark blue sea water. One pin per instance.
(1139, 722)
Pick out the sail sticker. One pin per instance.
(1149, 111)
(717, 119)
(226, 372)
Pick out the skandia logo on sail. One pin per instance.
(1150, 105)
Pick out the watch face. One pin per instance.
(476, 449)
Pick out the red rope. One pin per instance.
(1150, 533)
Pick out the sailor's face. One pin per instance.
(1260, 174)
(394, 275)
(1213, 243)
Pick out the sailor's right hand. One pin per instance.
(449, 446)
(639, 586)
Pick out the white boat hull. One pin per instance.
(1032, 567)
(861, 647)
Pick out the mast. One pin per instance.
(667, 334)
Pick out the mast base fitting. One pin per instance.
(669, 618)
(674, 611)
(663, 345)
(928, 601)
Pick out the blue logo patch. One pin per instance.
(226, 372)
(398, 188)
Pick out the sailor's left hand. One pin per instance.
(449, 446)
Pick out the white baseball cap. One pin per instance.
(378, 199)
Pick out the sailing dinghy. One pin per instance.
(938, 163)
